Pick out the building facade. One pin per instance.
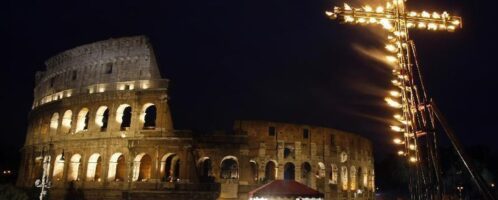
(101, 123)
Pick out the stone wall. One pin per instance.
(112, 137)
(108, 61)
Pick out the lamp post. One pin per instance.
(44, 183)
(460, 188)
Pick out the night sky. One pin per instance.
(278, 60)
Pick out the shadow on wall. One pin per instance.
(73, 193)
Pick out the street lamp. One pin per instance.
(460, 188)
(44, 183)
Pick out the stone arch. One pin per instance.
(205, 169)
(353, 177)
(344, 177)
(54, 122)
(371, 181)
(67, 119)
(362, 177)
(58, 168)
(288, 152)
(42, 127)
(289, 171)
(38, 168)
(123, 116)
(74, 167)
(170, 167)
(94, 169)
(229, 168)
(142, 165)
(117, 167)
(334, 173)
(83, 118)
(320, 173)
(102, 117)
(254, 170)
(306, 173)
(271, 170)
(148, 116)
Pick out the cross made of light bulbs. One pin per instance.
(414, 119)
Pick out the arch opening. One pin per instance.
(270, 170)
(74, 166)
(288, 152)
(142, 166)
(82, 122)
(123, 116)
(205, 169)
(254, 170)
(320, 173)
(306, 173)
(58, 168)
(363, 177)
(117, 168)
(170, 167)
(353, 179)
(289, 171)
(66, 121)
(229, 168)
(334, 174)
(148, 116)
(38, 170)
(344, 177)
(94, 171)
(102, 118)
(54, 123)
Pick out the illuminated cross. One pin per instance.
(415, 118)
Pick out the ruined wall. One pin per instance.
(98, 118)
(336, 163)
(110, 133)
(104, 65)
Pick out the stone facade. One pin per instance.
(101, 122)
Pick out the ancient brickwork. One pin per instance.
(110, 133)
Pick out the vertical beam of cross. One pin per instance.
(415, 122)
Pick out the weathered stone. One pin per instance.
(146, 158)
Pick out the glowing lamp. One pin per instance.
(391, 59)
(432, 26)
(422, 25)
(391, 48)
(367, 8)
(425, 14)
(348, 18)
(396, 82)
(397, 141)
(379, 9)
(347, 7)
(395, 93)
(397, 129)
(393, 103)
(436, 15)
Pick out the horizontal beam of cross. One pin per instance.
(422, 20)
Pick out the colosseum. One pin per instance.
(100, 123)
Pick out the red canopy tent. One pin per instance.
(287, 189)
